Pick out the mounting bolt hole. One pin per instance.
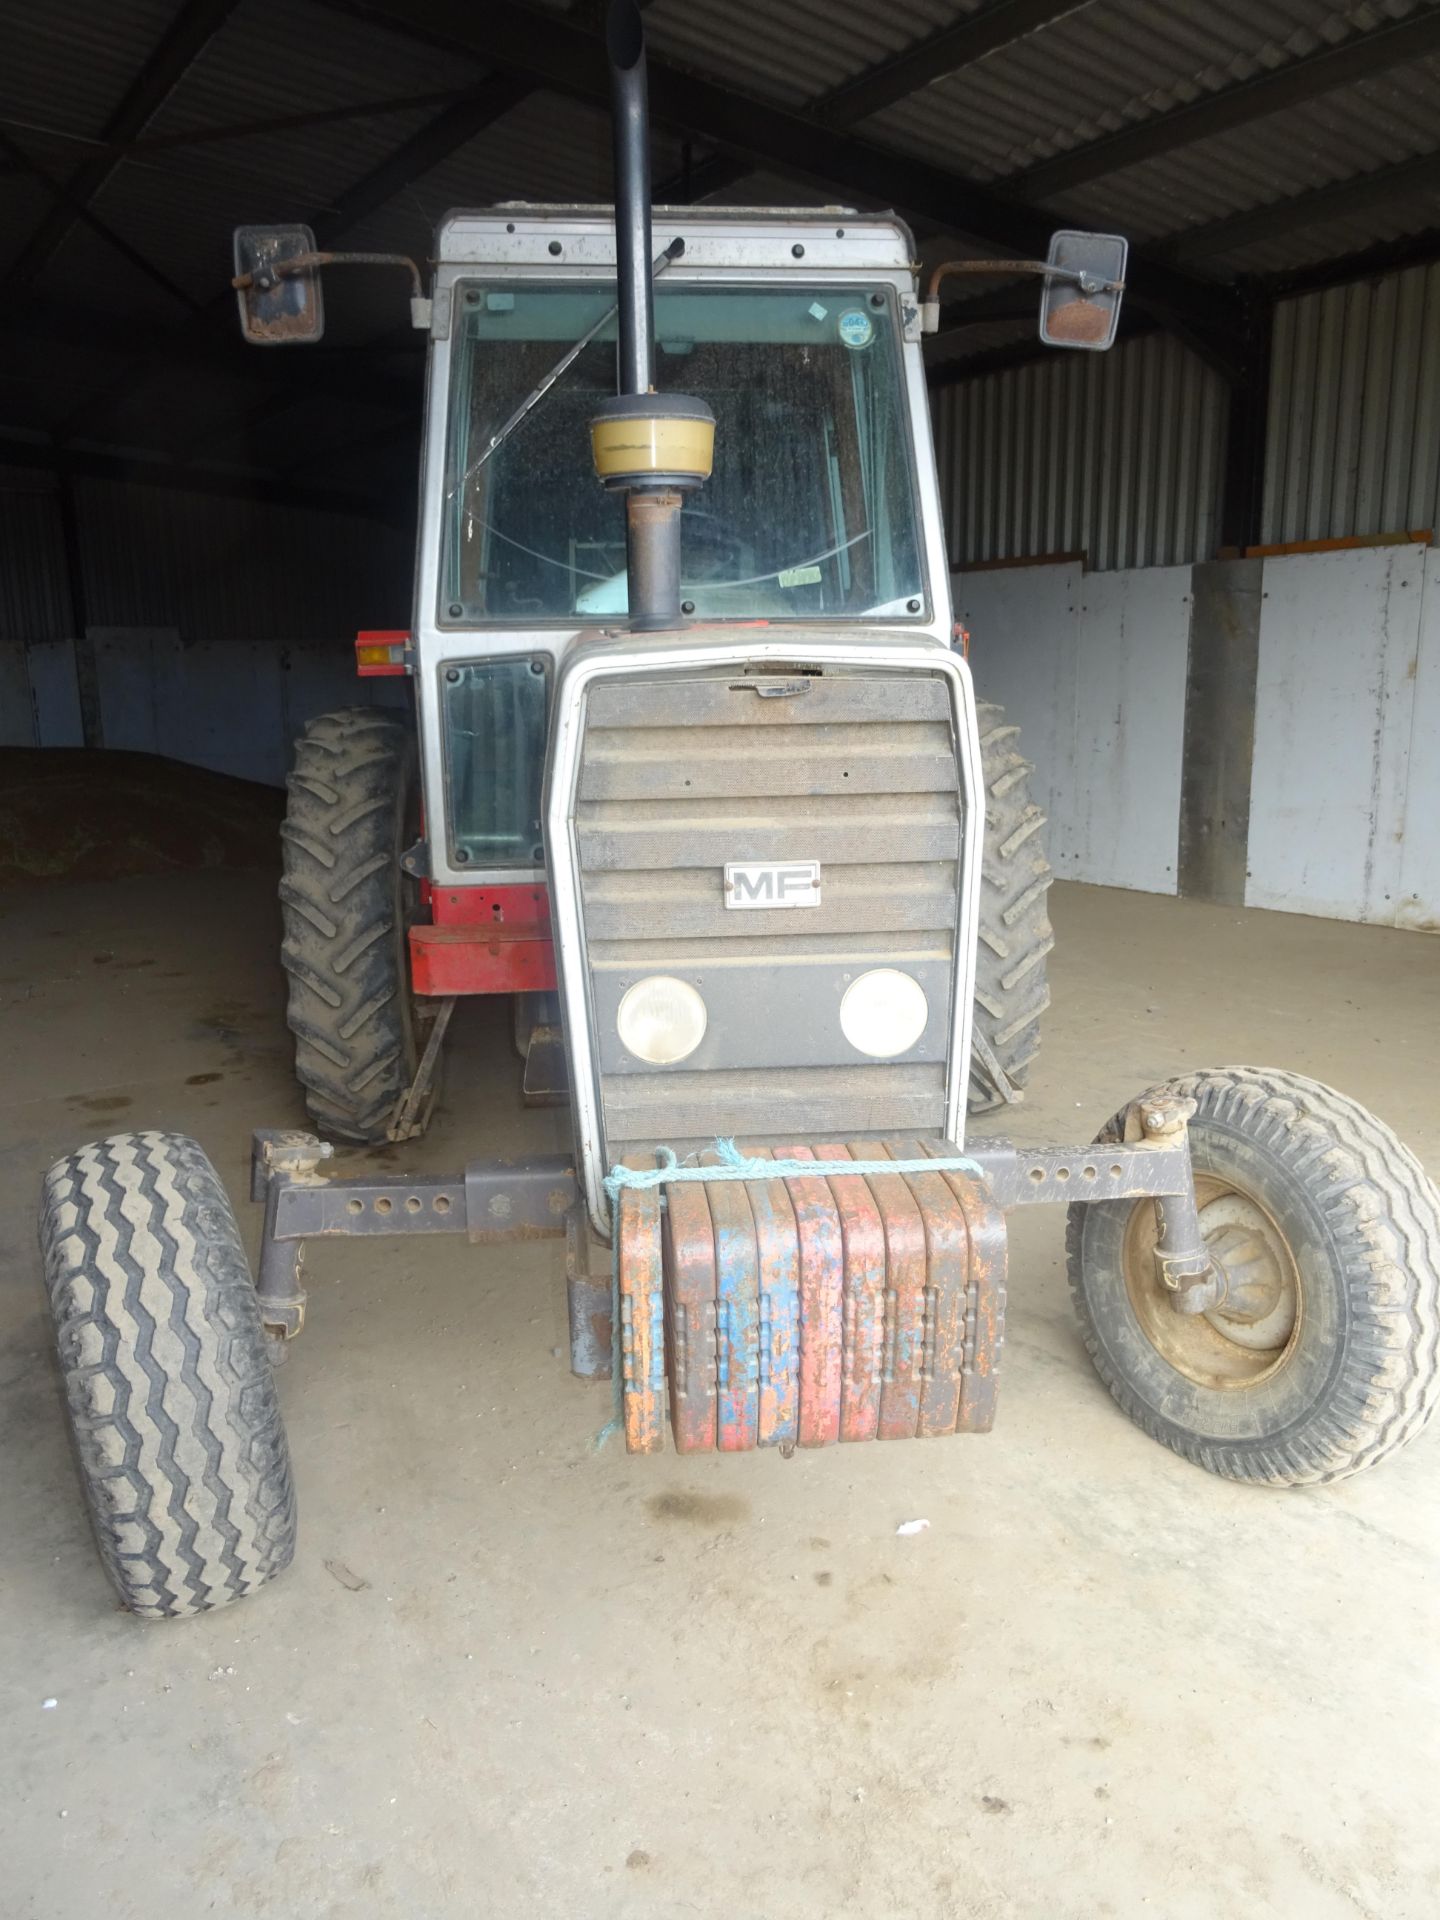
(1062, 1173)
(413, 1203)
(442, 1203)
(382, 1205)
(1087, 1173)
(1037, 1174)
(1116, 1172)
(355, 1206)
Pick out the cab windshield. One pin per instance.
(810, 512)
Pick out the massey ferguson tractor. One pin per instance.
(696, 774)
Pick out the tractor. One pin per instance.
(695, 771)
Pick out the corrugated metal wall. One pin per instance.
(1117, 456)
(211, 567)
(222, 569)
(34, 600)
(1354, 423)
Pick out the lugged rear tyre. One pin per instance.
(351, 812)
(1012, 990)
(171, 1399)
(1324, 1356)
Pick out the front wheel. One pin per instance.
(171, 1399)
(1324, 1355)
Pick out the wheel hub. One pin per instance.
(1250, 1334)
(1260, 1302)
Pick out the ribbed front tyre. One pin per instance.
(170, 1395)
(1324, 1355)
(351, 811)
(1011, 988)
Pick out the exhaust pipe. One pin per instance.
(654, 449)
(630, 134)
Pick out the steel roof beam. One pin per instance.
(1339, 201)
(1393, 45)
(1024, 353)
(469, 115)
(85, 215)
(186, 38)
(142, 149)
(1387, 256)
(947, 52)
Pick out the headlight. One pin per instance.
(884, 1013)
(661, 1020)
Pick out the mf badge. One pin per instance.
(783, 883)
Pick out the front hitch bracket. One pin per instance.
(493, 1202)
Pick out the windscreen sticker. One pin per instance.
(816, 311)
(800, 577)
(857, 329)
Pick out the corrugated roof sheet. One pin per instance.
(1100, 66)
(795, 51)
(69, 63)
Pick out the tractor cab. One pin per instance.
(800, 335)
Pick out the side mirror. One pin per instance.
(280, 300)
(1084, 282)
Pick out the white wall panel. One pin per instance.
(56, 693)
(1339, 638)
(1092, 667)
(234, 706)
(17, 714)
(1129, 728)
(1022, 623)
(1419, 897)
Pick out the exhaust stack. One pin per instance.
(652, 448)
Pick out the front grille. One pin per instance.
(680, 776)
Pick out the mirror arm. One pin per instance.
(267, 278)
(1088, 283)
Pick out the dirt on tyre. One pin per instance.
(1012, 991)
(351, 811)
(1324, 1355)
(170, 1395)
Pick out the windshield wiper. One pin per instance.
(538, 392)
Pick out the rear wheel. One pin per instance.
(1324, 1355)
(1011, 987)
(171, 1399)
(347, 905)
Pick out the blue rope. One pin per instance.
(729, 1164)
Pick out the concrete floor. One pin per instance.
(507, 1674)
